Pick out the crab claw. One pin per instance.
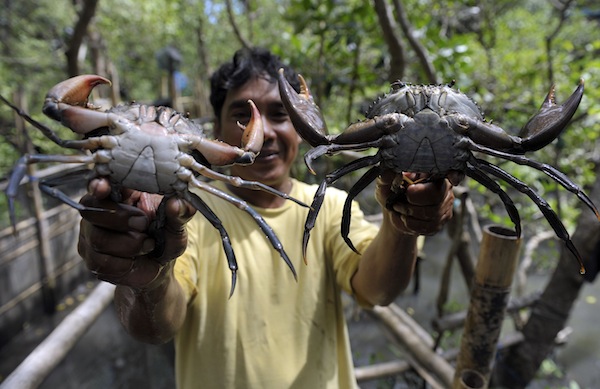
(549, 122)
(304, 113)
(67, 102)
(254, 135)
(220, 153)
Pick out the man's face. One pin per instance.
(272, 166)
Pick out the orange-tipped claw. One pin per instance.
(74, 91)
(65, 101)
(254, 135)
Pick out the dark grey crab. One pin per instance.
(434, 129)
(146, 148)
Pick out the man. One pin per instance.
(273, 332)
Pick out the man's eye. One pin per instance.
(242, 117)
(280, 115)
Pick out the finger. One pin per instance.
(112, 215)
(178, 213)
(430, 193)
(99, 187)
(430, 211)
(147, 202)
(386, 177)
(136, 273)
(455, 177)
(112, 242)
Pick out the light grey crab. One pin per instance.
(434, 130)
(146, 148)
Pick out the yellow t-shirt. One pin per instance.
(273, 332)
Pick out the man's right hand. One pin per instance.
(116, 245)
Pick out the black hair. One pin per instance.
(246, 65)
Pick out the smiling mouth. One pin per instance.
(267, 154)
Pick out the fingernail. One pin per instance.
(138, 223)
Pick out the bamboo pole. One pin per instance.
(494, 273)
(430, 365)
(392, 368)
(456, 320)
(35, 368)
(45, 253)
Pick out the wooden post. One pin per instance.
(431, 366)
(494, 273)
(46, 262)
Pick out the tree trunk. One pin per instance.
(236, 30)
(88, 11)
(394, 43)
(517, 366)
(416, 45)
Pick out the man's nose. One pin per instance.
(268, 129)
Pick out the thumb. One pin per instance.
(178, 213)
(169, 230)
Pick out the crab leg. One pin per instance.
(475, 173)
(267, 230)
(20, 170)
(315, 207)
(549, 170)
(188, 161)
(70, 144)
(358, 187)
(332, 149)
(542, 204)
(213, 219)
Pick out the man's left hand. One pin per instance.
(423, 210)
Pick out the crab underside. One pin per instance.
(146, 148)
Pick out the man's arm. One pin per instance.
(387, 264)
(115, 247)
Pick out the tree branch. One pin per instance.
(79, 32)
(419, 49)
(234, 25)
(393, 41)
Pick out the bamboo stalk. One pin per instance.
(493, 278)
(455, 320)
(423, 358)
(392, 368)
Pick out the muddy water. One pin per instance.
(107, 358)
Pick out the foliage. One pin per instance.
(496, 52)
